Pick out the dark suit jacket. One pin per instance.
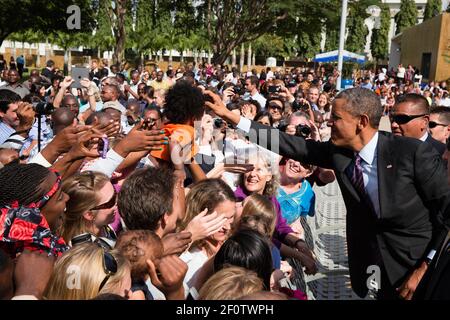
(413, 193)
(437, 145)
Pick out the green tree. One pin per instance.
(46, 16)
(356, 28)
(67, 41)
(432, 9)
(102, 37)
(379, 44)
(407, 16)
(233, 22)
(332, 40)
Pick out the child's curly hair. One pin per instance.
(184, 103)
(134, 245)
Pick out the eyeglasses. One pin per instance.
(109, 262)
(107, 205)
(433, 124)
(274, 106)
(404, 118)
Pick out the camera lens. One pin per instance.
(302, 131)
(43, 108)
(218, 123)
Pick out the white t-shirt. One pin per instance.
(401, 72)
(195, 259)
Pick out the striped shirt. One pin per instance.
(5, 132)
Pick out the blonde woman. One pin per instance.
(86, 271)
(259, 214)
(92, 206)
(231, 283)
(207, 197)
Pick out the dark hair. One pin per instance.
(50, 63)
(149, 91)
(135, 246)
(56, 77)
(6, 98)
(145, 197)
(153, 108)
(443, 112)
(419, 101)
(121, 76)
(100, 116)
(109, 296)
(248, 249)
(263, 114)
(254, 80)
(363, 101)
(184, 103)
(22, 183)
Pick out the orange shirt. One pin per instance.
(183, 133)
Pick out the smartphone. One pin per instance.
(103, 147)
(77, 75)
(273, 89)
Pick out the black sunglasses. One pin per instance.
(274, 106)
(107, 205)
(109, 262)
(109, 266)
(404, 118)
(433, 124)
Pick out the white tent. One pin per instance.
(333, 56)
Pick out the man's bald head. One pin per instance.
(62, 118)
(102, 118)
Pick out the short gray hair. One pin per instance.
(363, 101)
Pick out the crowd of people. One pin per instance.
(197, 182)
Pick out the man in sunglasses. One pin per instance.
(395, 190)
(410, 117)
(440, 123)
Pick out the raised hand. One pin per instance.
(204, 225)
(141, 140)
(176, 243)
(66, 83)
(26, 116)
(84, 146)
(167, 275)
(217, 105)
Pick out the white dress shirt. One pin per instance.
(369, 169)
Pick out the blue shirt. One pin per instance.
(297, 204)
(5, 132)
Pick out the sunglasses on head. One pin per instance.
(404, 118)
(433, 124)
(109, 262)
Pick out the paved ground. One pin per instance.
(332, 282)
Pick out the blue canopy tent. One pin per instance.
(333, 56)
